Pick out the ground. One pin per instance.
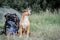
(44, 26)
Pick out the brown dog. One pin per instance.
(24, 25)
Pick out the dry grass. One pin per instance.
(44, 26)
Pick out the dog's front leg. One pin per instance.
(28, 28)
(20, 31)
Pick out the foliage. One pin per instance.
(35, 5)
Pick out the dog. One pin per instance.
(10, 17)
(11, 25)
(24, 24)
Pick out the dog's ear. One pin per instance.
(6, 15)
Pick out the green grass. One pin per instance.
(44, 26)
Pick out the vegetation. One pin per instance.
(35, 5)
(44, 26)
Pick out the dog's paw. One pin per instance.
(27, 36)
(20, 36)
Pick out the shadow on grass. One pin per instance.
(1, 27)
(1, 30)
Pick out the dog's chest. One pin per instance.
(25, 21)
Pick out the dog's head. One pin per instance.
(26, 12)
(7, 16)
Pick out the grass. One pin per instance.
(44, 26)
